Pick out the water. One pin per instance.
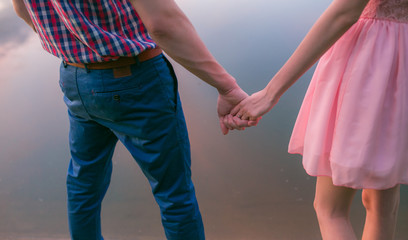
(247, 185)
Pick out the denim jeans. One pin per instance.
(144, 112)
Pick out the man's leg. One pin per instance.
(92, 147)
(88, 178)
(165, 160)
(146, 115)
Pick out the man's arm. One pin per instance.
(173, 32)
(21, 10)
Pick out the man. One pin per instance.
(118, 86)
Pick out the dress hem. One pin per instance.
(345, 185)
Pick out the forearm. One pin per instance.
(184, 46)
(21, 10)
(333, 23)
(175, 34)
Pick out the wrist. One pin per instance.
(272, 93)
(228, 85)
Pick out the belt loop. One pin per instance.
(65, 63)
(137, 60)
(86, 68)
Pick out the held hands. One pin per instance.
(226, 102)
(253, 107)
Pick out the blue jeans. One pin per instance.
(144, 112)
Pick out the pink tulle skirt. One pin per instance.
(353, 123)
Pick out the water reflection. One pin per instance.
(247, 185)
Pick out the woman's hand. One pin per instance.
(226, 102)
(254, 106)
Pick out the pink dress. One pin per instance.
(353, 123)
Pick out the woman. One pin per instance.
(352, 128)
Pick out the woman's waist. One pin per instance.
(384, 19)
(391, 10)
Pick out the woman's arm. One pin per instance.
(331, 25)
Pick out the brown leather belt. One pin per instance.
(120, 62)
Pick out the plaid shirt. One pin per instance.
(81, 31)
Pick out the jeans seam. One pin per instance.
(175, 80)
(79, 94)
(164, 91)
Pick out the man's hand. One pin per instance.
(226, 102)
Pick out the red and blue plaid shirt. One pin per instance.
(81, 31)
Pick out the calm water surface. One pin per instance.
(247, 185)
